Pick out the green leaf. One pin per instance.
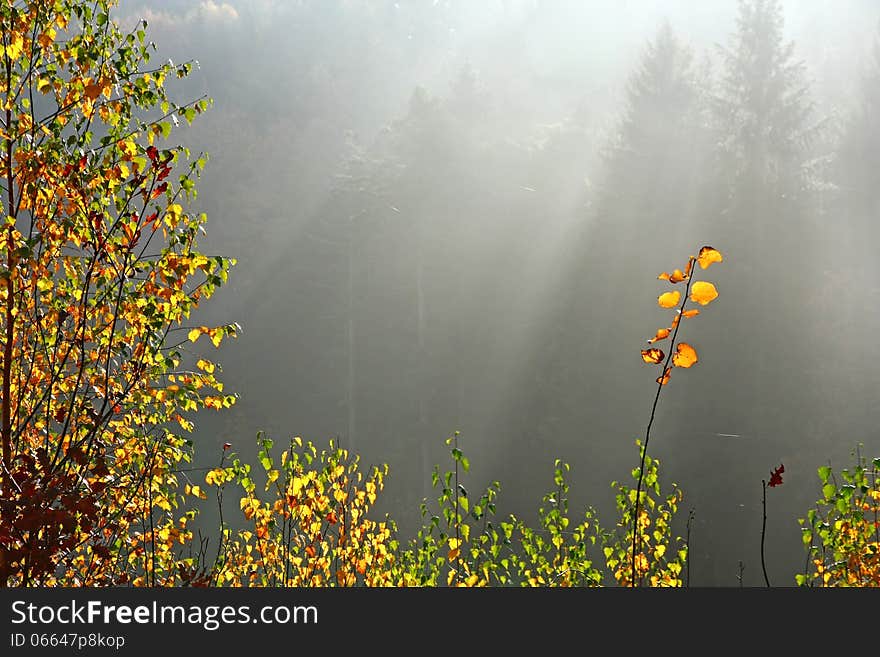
(828, 490)
(824, 473)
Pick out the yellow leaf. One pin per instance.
(659, 551)
(205, 365)
(703, 292)
(15, 46)
(669, 299)
(709, 255)
(684, 356)
(194, 334)
(653, 355)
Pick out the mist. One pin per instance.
(450, 216)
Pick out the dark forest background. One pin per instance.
(451, 215)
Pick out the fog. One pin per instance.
(451, 215)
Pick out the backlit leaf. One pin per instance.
(661, 334)
(669, 299)
(677, 276)
(691, 313)
(703, 293)
(653, 355)
(709, 255)
(684, 356)
(664, 378)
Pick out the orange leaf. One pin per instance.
(653, 356)
(675, 321)
(709, 255)
(669, 299)
(661, 334)
(691, 313)
(675, 277)
(664, 379)
(684, 356)
(703, 292)
(689, 267)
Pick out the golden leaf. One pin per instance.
(677, 276)
(661, 334)
(664, 378)
(653, 355)
(703, 292)
(684, 356)
(669, 299)
(709, 255)
(691, 313)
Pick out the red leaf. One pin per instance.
(776, 476)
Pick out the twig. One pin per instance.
(690, 278)
(763, 532)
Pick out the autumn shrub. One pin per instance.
(465, 543)
(100, 272)
(660, 558)
(308, 524)
(842, 533)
